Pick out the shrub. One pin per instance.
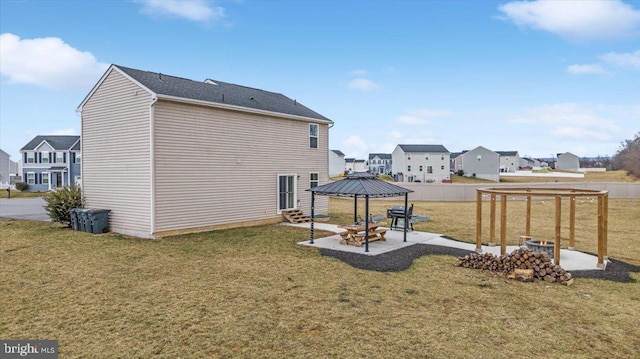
(60, 201)
(21, 186)
(460, 173)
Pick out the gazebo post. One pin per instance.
(313, 200)
(406, 204)
(355, 208)
(366, 223)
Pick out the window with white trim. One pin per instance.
(78, 157)
(31, 178)
(409, 168)
(60, 157)
(31, 157)
(45, 156)
(429, 169)
(45, 177)
(314, 179)
(313, 135)
(420, 168)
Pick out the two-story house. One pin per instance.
(336, 163)
(568, 162)
(509, 161)
(171, 155)
(380, 163)
(5, 169)
(50, 162)
(420, 163)
(355, 165)
(479, 163)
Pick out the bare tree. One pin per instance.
(628, 156)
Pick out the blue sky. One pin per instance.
(539, 77)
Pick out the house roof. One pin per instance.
(453, 155)
(219, 92)
(360, 184)
(59, 143)
(382, 156)
(507, 153)
(338, 152)
(424, 148)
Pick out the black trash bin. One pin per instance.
(75, 223)
(98, 221)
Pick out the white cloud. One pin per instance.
(359, 72)
(625, 60)
(194, 10)
(585, 69)
(363, 85)
(571, 121)
(47, 62)
(422, 116)
(576, 20)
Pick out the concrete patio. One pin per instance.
(569, 260)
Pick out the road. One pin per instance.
(24, 208)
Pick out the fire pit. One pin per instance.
(541, 246)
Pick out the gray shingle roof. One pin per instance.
(360, 184)
(60, 143)
(220, 92)
(507, 153)
(338, 152)
(424, 148)
(382, 156)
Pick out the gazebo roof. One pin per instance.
(360, 184)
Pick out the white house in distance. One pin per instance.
(355, 165)
(336, 163)
(568, 161)
(380, 163)
(479, 163)
(5, 169)
(420, 163)
(509, 161)
(169, 155)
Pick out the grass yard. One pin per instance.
(18, 194)
(609, 176)
(252, 292)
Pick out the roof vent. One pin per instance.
(210, 82)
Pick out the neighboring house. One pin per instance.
(50, 162)
(5, 169)
(509, 161)
(380, 163)
(568, 161)
(354, 165)
(480, 163)
(420, 163)
(530, 163)
(169, 155)
(452, 161)
(336, 163)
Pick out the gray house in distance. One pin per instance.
(169, 155)
(49, 162)
(479, 163)
(568, 161)
(509, 161)
(420, 163)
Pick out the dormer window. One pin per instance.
(313, 135)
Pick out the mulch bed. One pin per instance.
(401, 259)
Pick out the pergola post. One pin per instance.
(492, 224)
(366, 223)
(527, 229)
(478, 221)
(355, 209)
(572, 223)
(556, 241)
(605, 229)
(503, 224)
(406, 207)
(600, 232)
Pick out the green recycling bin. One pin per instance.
(75, 223)
(83, 219)
(98, 221)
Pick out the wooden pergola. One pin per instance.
(529, 193)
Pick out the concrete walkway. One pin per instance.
(24, 208)
(569, 260)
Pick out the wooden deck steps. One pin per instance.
(296, 216)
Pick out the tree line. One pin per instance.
(628, 156)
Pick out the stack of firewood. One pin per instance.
(520, 264)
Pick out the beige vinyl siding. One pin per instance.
(216, 166)
(115, 154)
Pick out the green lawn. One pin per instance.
(253, 292)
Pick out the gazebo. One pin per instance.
(360, 185)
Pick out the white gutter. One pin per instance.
(152, 164)
(242, 109)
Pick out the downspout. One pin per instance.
(152, 164)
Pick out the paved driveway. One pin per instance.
(24, 208)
